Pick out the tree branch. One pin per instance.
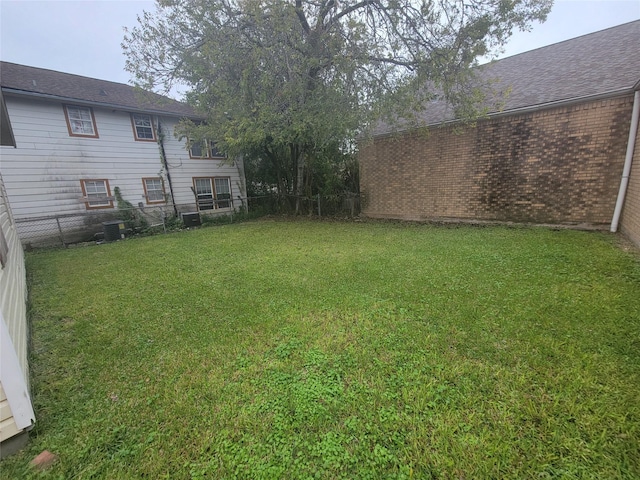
(352, 8)
(324, 10)
(302, 17)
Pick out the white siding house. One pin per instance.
(79, 138)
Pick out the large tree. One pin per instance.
(289, 81)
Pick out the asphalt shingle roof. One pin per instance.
(31, 80)
(599, 63)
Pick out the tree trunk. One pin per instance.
(299, 156)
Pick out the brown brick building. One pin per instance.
(554, 153)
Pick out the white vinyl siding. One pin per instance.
(8, 427)
(13, 286)
(43, 175)
(14, 377)
(183, 170)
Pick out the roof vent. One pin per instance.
(34, 83)
(103, 92)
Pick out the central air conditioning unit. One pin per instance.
(113, 230)
(191, 219)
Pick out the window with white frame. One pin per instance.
(154, 190)
(97, 193)
(212, 192)
(204, 193)
(80, 121)
(142, 127)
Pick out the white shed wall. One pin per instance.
(16, 412)
(13, 285)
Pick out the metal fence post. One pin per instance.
(319, 213)
(60, 232)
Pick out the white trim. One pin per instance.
(13, 381)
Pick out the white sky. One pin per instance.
(84, 36)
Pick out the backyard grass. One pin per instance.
(297, 350)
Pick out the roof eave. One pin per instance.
(80, 101)
(522, 110)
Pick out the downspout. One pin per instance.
(165, 164)
(633, 131)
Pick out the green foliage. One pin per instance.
(329, 172)
(337, 350)
(129, 214)
(290, 84)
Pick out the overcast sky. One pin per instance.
(84, 36)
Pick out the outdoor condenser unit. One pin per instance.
(113, 230)
(191, 219)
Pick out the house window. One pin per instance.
(196, 150)
(204, 193)
(204, 149)
(212, 193)
(96, 194)
(142, 127)
(223, 192)
(153, 190)
(80, 121)
(213, 150)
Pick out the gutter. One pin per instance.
(79, 101)
(628, 160)
(165, 164)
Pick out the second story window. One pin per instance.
(80, 121)
(142, 127)
(205, 149)
(196, 150)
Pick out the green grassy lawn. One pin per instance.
(297, 350)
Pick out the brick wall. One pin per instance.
(560, 165)
(630, 220)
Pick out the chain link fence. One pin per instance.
(113, 224)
